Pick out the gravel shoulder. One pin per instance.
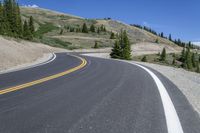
(187, 82)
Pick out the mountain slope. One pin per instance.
(57, 21)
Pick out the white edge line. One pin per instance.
(32, 66)
(171, 116)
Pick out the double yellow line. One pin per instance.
(22, 86)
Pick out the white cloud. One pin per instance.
(146, 24)
(196, 43)
(32, 6)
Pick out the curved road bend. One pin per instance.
(105, 96)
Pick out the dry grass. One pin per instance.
(17, 52)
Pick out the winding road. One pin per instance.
(80, 94)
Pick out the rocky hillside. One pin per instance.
(49, 25)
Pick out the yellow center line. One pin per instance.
(22, 86)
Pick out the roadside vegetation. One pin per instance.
(122, 47)
(187, 59)
(11, 23)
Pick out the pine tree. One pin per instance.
(102, 27)
(92, 28)
(61, 31)
(31, 25)
(198, 68)
(162, 34)
(112, 36)
(170, 37)
(26, 31)
(183, 55)
(8, 15)
(10, 19)
(163, 55)
(174, 61)
(157, 41)
(116, 51)
(122, 48)
(96, 45)
(18, 21)
(199, 58)
(188, 59)
(1, 19)
(144, 59)
(84, 28)
(98, 30)
(126, 47)
(193, 60)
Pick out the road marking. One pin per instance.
(22, 86)
(28, 67)
(171, 116)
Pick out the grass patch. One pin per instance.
(155, 58)
(45, 28)
(54, 42)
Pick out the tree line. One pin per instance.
(11, 23)
(162, 35)
(85, 29)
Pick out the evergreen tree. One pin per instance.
(71, 29)
(157, 41)
(112, 36)
(199, 58)
(188, 59)
(170, 37)
(98, 30)
(163, 55)
(189, 44)
(122, 48)
(193, 60)
(31, 25)
(126, 47)
(61, 31)
(162, 34)
(116, 51)
(26, 31)
(102, 27)
(174, 59)
(96, 45)
(84, 28)
(144, 59)
(183, 55)
(198, 68)
(10, 19)
(19, 22)
(92, 28)
(1, 19)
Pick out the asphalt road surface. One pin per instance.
(105, 96)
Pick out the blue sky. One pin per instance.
(181, 18)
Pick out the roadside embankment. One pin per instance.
(17, 54)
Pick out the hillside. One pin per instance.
(15, 52)
(49, 25)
